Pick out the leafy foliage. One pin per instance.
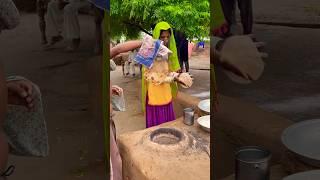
(129, 17)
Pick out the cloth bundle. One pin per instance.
(150, 50)
(27, 131)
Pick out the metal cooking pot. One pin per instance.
(188, 116)
(252, 163)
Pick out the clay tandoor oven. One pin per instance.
(172, 151)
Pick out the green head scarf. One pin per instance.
(219, 25)
(218, 17)
(173, 60)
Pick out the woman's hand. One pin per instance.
(184, 79)
(20, 92)
(116, 90)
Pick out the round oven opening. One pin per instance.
(166, 136)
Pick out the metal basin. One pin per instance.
(204, 122)
(204, 107)
(303, 139)
(308, 175)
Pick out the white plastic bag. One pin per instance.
(113, 65)
(118, 102)
(164, 52)
(27, 131)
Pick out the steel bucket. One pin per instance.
(252, 163)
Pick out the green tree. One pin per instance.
(129, 17)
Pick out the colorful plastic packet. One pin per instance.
(148, 51)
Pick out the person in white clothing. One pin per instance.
(62, 17)
(130, 63)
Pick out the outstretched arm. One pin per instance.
(124, 47)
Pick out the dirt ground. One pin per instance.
(76, 139)
(287, 11)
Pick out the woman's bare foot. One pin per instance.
(74, 45)
(54, 40)
(44, 41)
